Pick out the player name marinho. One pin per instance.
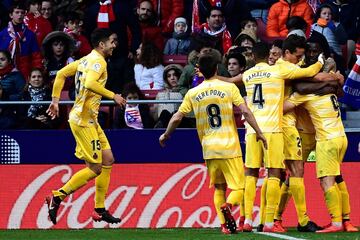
(207, 93)
(258, 75)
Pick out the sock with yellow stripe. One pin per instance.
(345, 201)
(78, 180)
(297, 189)
(285, 196)
(102, 186)
(263, 201)
(250, 193)
(333, 205)
(219, 199)
(272, 199)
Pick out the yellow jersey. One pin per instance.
(90, 78)
(303, 121)
(212, 102)
(265, 91)
(324, 112)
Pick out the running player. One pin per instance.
(92, 145)
(212, 102)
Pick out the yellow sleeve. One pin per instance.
(237, 99)
(291, 71)
(67, 71)
(186, 106)
(298, 99)
(91, 81)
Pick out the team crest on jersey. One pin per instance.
(97, 67)
(299, 152)
(95, 156)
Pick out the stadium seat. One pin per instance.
(175, 59)
(150, 94)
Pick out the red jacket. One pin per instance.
(281, 11)
(39, 25)
(153, 34)
(169, 10)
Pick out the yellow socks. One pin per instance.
(102, 186)
(297, 189)
(272, 199)
(263, 201)
(219, 199)
(332, 200)
(78, 180)
(285, 196)
(250, 193)
(345, 202)
(235, 197)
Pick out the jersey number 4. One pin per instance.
(258, 96)
(213, 112)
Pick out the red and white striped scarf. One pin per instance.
(16, 39)
(223, 32)
(106, 14)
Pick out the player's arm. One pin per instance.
(238, 79)
(67, 71)
(92, 84)
(295, 100)
(173, 124)
(317, 88)
(291, 71)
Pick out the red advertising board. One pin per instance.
(143, 195)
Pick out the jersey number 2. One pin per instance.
(258, 96)
(213, 112)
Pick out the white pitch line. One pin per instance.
(276, 235)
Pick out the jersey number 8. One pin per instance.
(213, 112)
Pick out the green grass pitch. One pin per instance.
(157, 234)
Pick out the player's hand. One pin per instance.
(163, 138)
(119, 100)
(340, 78)
(261, 137)
(53, 110)
(321, 58)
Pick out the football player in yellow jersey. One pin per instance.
(265, 89)
(212, 103)
(92, 145)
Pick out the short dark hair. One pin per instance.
(17, 5)
(246, 20)
(261, 51)
(318, 38)
(207, 65)
(71, 16)
(213, 9)
(7, 55)
(293, 42)
(296, 22)
(277, 43)
(131, 87)
(238, 56)
(100, 35)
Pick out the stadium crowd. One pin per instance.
(158, 45)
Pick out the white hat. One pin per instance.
(298, 32)
(180, 20)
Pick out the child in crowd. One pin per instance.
(72, 22)
(135, 116)
(36, 90)
(249, 23)
(180, 42)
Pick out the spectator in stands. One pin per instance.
(249, 56)
(36, 90)
(36, 22)
(180, 42)
(281, 11)
(20, 41)
(149, 69)
(11, 86)
(72, 27)
(163, 112)
(168, 10)
(275, 51)
(234, 11)
(296, 25)
(136, 116)
(236, 64)
(148, 23)
(187, 77)
(121, 64)
(249, 23)
(215, 27)
(57, 49)
(47, 12)
(247, 38)
(259, 9)
(333, 32)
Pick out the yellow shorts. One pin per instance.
(273, 157)
(329, 155)
(308, 144)
(292, 144)
(90, 141)
(229, 171)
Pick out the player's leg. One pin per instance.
(88, 149)
(327, 167)
(253, 161)
(285, 196)
(262, 205)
